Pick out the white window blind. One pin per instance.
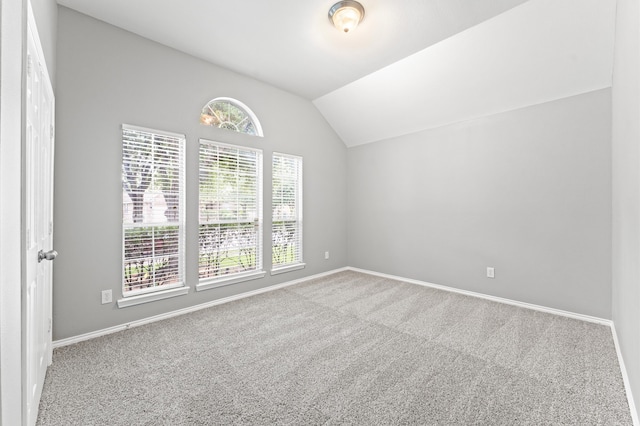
(152, 210)
(230, 211)
(287, 211)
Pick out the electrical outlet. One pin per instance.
(491, 273)
(106, 297)
(326, 255)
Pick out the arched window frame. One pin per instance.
(208, 109)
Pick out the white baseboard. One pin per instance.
(602, 321)
(105, 331)
(625, 378)
(487, 297)
(137, 323)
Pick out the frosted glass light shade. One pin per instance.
(346, 15)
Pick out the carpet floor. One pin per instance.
(349, 348)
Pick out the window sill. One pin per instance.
(288, 268)
(210, 283)
(151, 297)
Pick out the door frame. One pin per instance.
(13, 23)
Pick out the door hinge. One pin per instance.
(49, 331)
(50, 228)
(51, 132)
(29, 65)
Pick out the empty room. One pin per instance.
(319, 212)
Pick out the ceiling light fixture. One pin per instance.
(346, 15)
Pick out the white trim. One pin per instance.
(13, 24)
(554, 311)
(179, 143)
(105, 331)
(258, 219)
(288, 268)
(231, 146)
(625, 378)
(154, 131)
(98, 333)
(132, 293)
(299, 209)
(207, 284)
(587, 318)
(243, 107)
(152, 297)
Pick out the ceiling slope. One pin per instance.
(290, 43)
(539, 51)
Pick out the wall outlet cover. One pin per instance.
(106, 296)
(491, 273)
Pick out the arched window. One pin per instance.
(228, 113)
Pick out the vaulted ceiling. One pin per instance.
(409, 66)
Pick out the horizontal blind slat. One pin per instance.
(286, 210)
(229, 210)
(153, 209)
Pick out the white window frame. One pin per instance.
(157, 292)
(298, 262)
(208, 116)
(206, 283)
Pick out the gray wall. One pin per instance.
(107, 77)
(626, 189)
(46, 16)
(527, 192)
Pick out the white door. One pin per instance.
(38, 220)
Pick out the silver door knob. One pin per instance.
(50, 255)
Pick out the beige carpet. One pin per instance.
(349, 348)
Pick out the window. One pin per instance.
(231, 114)
(230, 214)
(152, 210)
(286, 235)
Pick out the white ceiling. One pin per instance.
(540, 51)
(290, 43)
(428, 61)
